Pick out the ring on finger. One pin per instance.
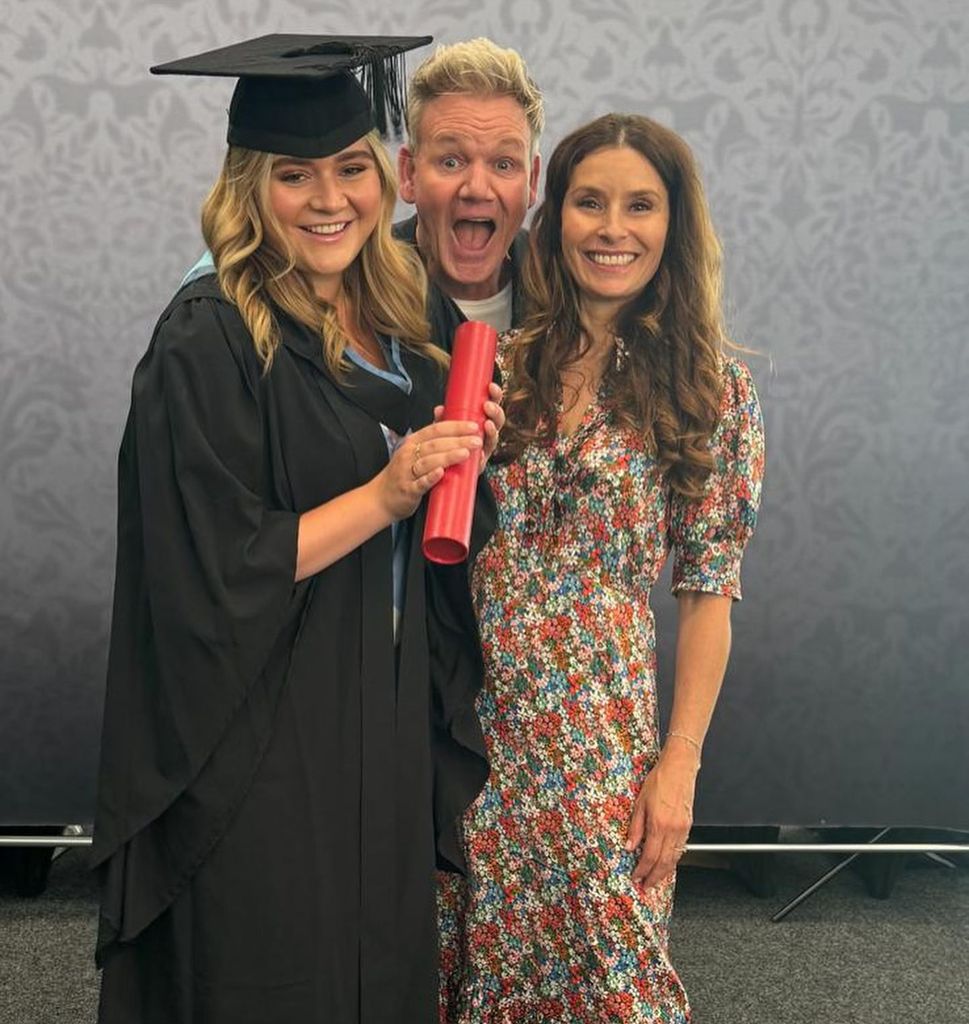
(413, 465)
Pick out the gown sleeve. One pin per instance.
(709, 533)
(457, 675)
(205, 567)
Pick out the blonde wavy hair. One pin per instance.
(668, 384)
(386, 284)
(474, 67)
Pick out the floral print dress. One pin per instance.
(549, 926)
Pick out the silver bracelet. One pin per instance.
(689, 739)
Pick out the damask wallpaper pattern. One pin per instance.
(834, 140)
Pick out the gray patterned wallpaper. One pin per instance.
(834, 138)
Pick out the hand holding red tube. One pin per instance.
(447, 531)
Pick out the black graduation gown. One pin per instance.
(276, 778)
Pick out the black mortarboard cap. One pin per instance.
(297, 95)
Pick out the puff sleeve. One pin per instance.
(709, 533)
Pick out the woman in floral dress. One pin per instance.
(630, 432)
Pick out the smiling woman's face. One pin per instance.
(472, 181)
(615, 216)
(326, 209)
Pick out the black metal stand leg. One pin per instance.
(32, 870)
(881, 873)
(755, 870)
(823, 880)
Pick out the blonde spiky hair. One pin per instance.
(480, 67)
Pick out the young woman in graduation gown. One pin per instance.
(289, 733)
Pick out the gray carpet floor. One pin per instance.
(840, 958)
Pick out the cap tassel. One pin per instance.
(383, 78)
(384, 81)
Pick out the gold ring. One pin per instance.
(417, 450)
(413, 470)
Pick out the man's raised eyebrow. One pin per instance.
(455, 138)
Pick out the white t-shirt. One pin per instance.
(495, 310)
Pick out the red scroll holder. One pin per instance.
(447, 531)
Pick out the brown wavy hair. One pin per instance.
(667, 381)
(257, 271)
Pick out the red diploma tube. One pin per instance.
(447, 531)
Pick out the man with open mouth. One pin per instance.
(471, 169)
